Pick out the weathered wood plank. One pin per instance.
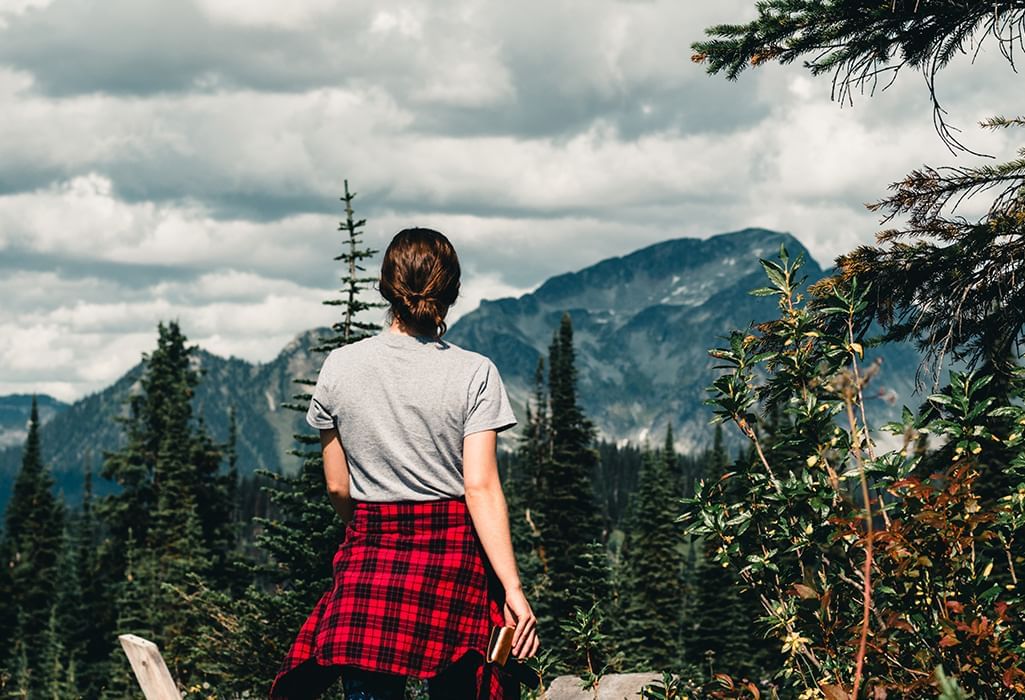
(151, 671)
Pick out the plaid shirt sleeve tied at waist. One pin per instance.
(412, 592)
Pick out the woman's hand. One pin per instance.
(518, 614)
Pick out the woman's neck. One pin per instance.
(399, 329)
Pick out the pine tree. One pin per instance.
(679, 471)
(154, 412)
(619, 467)
(215, 493)
(86, 638)
(720, 630)
(135, 597)
(177, 554)
(58, 667)
(33, 534)
(231, 454)
(566, 502)
(174, 504)
(8, 613)
(246, 638)
(304, 539)
(233, 573)
(349, 329)
(68, 625)
(650, 598)
(521, 494)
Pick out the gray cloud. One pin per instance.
(130, 275)
(185, 159)
(145, 47)
(528, 69)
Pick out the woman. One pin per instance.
(408, 426)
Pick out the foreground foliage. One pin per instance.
(874, 566)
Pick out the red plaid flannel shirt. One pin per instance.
(413, 591)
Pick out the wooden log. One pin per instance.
(150, 670)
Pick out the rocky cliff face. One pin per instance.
(643, 324)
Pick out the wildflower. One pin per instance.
(793, 642)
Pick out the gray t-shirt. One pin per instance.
(402, 405)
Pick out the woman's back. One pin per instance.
(426, 570)
(402, 405)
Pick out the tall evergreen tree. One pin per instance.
(304, 539)
(33, 535)
(177, 553)
(134, 600)
(566, 502)
(59, 665)
(86, 638)
(679, 471)
(246, 637)
(650, 597)
(619, 468)
(592, 646)
(719, 632)
(174, 501)
(215, 493)
(8, 613)
(231, 455)
(521, 489)
(68, 624)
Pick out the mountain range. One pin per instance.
(642, 325)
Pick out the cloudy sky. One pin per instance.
(183, 158)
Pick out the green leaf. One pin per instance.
(990, 593)
(979, 383)
(775, 273)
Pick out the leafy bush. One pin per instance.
(874, 566)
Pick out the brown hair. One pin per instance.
(420, 279)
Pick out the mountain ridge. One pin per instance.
(643, 323)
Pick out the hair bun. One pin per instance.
(423, 260)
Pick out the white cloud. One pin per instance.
(10, 8)
(89, 344)
(294, 14)
(194, 172)
(403, 22)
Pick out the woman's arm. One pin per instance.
(486, 502)
(336, 473)
(490, 514)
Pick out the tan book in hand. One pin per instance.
(500, 644)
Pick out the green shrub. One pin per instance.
(874, 566)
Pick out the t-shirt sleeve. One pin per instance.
(321, 413)
(488, 406)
